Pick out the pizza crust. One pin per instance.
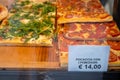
(41, 41)
(62, 20)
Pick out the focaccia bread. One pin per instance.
(88, 31)
(81, 11)
(29, 22)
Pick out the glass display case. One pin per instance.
(33, 61)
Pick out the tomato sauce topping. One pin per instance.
(112, 57)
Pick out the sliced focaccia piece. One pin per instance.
(29, 22)
(81, 11)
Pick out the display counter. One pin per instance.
(28, 57)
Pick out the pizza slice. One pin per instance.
(81, 11)
(79, 34)
(86, 34)
(29, 22)
(89, 31)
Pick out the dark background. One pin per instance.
(116, 10)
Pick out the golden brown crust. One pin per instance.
(44, 41)
(3, 12)
(84, 19)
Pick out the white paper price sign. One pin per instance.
(88, 58)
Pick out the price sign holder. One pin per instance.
(88, 58)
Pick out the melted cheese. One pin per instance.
(45, 40)
(86, 35)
